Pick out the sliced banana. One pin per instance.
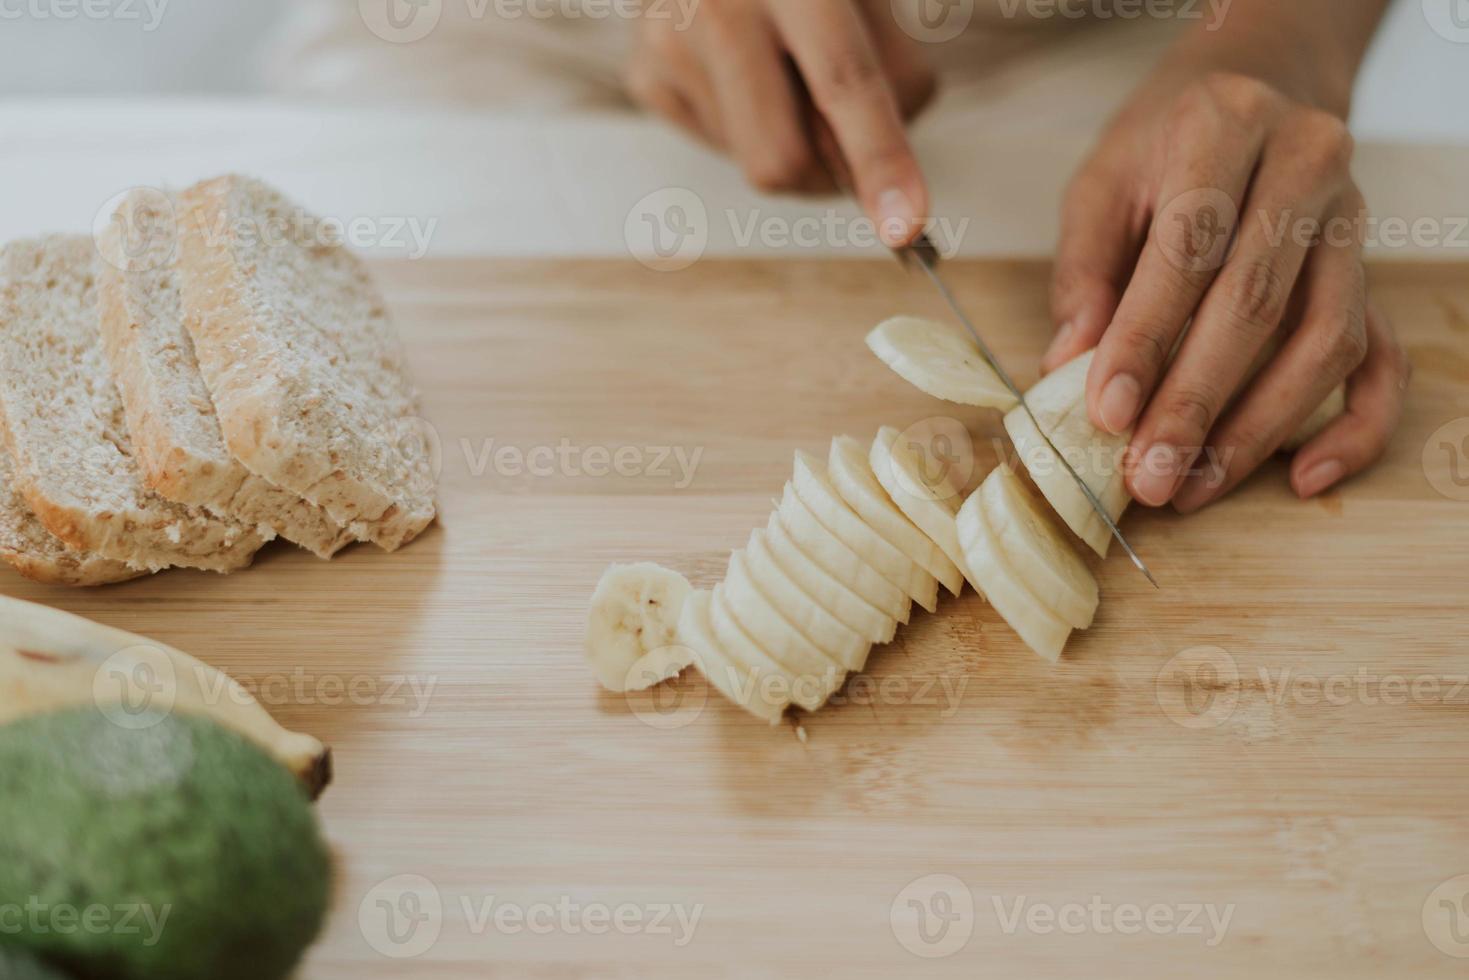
(851, 473)
(775, 635)
(813, 486)
(833, 637)
(1334, 406)
(632, 628)
(939, 359)
(808, 691)
(841, 562)
(737, 684)
(830, 593)
(1059, 404)
(930, 507)
(1045, 561)
(1040, 628)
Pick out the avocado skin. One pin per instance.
(182, 818)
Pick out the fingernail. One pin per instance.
(1060, 342)
(895, 217)
(1158, 477)
(1319, 477)
(1120, 401)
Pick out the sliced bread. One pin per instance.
(63, 423)
(175, 433)
(305, 369)
(40, 555)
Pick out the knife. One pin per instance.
(923, 254)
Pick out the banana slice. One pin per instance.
(939, 359)
(1334, 406)
(931, 507)
(50, 660)
(1045, 561)
(737, 684)
(807, 691)
(829, 592)
(1059, 404)
(841, 562)
(632, 629)
(1041, 630)
(774, 634)
(851, 474)
(833, 637)
(814, 488)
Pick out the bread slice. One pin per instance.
(175, 433)
(63, 423)
(41, 556)
(302, 361)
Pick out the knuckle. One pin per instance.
(1342, 348)
(1326, 142)
(847, 74)
(1257, 296)
(1149, 343)
(1239, 96)
(916, 89)
(1193, 408)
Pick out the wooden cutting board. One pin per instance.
(1280, 736)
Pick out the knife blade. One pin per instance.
(925, 255)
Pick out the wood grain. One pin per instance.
(474, 749)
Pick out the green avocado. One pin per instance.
(17, 964)
(148, 849)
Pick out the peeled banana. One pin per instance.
(632, 628)
(941, 360)
(50, 660)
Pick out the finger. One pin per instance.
(1327, 345)
(669, 78)
(1211, 157)
(1102, 228)
(1375, 397)
(664, 98)
(1300, 173)
(835, 54)
(762, 118)
(903, 59)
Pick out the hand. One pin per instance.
(1228, 209)
(746, 75)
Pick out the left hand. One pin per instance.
(1227, 203)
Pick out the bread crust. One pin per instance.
(268, 406)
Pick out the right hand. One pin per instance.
(738, 74)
